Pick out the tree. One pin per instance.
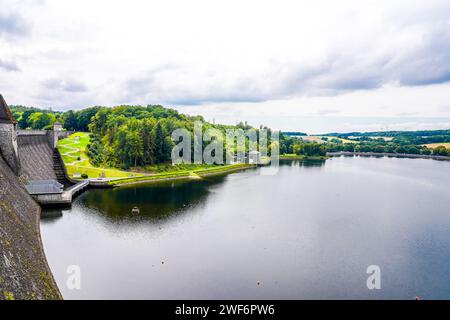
(70, 121)
(23, 122)
(441, 151)
(134, 147)
(161, 144)
(95, 151)
(39, 120)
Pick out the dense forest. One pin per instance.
(131, 136)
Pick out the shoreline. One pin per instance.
(193, 175)
(303, 157)
(385, 154)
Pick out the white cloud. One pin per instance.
(232, 58)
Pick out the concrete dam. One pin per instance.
(24, 272)
(38, 159)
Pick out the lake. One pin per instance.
(308, 232)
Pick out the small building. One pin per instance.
(254, 157)
(57, 126)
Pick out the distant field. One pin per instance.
(318, 139)
(73, 152)
(435, 145)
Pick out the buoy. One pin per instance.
(135, 210)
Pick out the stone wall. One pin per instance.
(24, 273)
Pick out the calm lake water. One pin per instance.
(308, 232)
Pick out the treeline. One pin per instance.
(42, 119)
(294, 133)
(34, 118)
(307, 148)
(400, 137)
(418, 133)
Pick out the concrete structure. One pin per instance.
(50, 192)
(36, 156)
(24, 272)
(44, 187)
(8, 137)
(39, 158)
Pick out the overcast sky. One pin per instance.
(310, 66)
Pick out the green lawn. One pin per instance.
(73, 152)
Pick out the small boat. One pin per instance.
(135, 210)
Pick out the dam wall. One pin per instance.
(36, 157)
(24, 273)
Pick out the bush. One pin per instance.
(84, 176)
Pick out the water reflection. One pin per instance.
(303, 163)
(154, 201)
(51, 213)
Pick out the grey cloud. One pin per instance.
(13, 25)
(348, 66)
(65, 85)
(148, 89)
(424, 64)
(9, 66)
(429, 63)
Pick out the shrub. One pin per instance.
(84, 176)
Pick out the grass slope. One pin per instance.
(73, 152)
